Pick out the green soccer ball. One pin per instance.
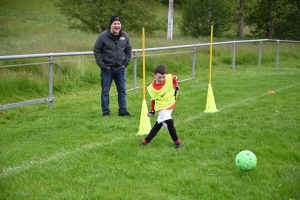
(245, 160)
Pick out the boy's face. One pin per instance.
(159, 78)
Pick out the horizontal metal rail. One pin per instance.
(13, 105)
(135, 52)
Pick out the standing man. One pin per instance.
(112, 52)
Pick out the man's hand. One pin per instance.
(151, 113)
(176, 92)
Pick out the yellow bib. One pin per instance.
(164, 98)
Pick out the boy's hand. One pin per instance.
(151, 113)
(176, 92)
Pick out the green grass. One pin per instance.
(31, 82)
(72, 152)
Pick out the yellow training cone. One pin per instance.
(210, 103)
(145, 124)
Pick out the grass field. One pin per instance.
(72, 152)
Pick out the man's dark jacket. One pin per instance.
(111, 53)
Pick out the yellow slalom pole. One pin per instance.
(210, 102)
(144, 63)
(145, 124)
(210, 55)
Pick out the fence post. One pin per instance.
(233, 57)
(194, 62)
(277, 53)
(51, 81)
(259, 53)
(134, 71)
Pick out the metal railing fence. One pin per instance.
(192, 47)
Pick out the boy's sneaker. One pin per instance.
(177, 145)
(106, 113)
(125, 114)
(143, 143)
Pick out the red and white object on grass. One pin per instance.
(271, 92)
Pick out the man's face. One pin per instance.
(115, 27)
(159, 78)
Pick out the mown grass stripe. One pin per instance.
(26, 165)
(17, 169)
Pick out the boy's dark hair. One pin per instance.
(161, 69)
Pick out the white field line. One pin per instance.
(17, 169)
(26, 165)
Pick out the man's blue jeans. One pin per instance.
(119, 76)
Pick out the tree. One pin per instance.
(241, 18)
(275, 19)
(240, 10)
(290, 28)
(198, 15)
(170, 20)
(167, 2)
(93, 15)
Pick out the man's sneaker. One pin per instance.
(106, 113)
(125, 114)
(177, 145)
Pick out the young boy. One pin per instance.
(163, 92)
